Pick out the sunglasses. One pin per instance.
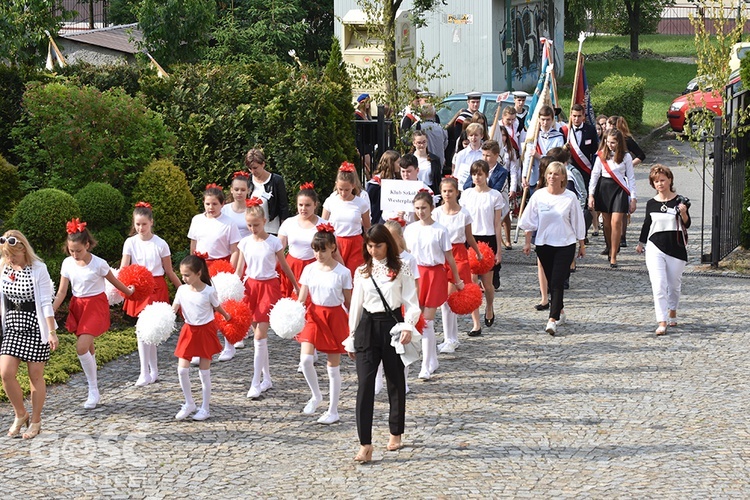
(11, 240)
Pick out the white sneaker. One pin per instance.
(143, 381)
(424, 375)
(228, 352)
(201, 414)
(154, 376)
(551, 327)
(311, 406)
(328, 418)
(265, 385)
(434, 366)
(449, 347)
(254, 392)
(563, 319)
(240, 345)
(186, 410)
(195, 360)
(441, 346)
(92, 400)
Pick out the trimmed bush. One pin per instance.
(109, 241)
(42, 215)
(106, 77)
(620, 95)
(10, 192)
(54, 258)
(69, 136)
(11, 94)
(101, 205)
(165, 187)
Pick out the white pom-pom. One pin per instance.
(155, 323)
(287, 318)
(113, 295)
(228, 287)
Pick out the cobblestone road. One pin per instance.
(605, 409)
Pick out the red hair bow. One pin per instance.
(449, 176)
(75, 226)
(201, 255)
(423, 190)
(346, 167)
(325, 227)
(240, 174)
(401, 222)
(253, 202)
(376, 178)
(214, 186)
(307, 185)
(143, 204)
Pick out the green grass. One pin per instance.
(64, 361)
(665, 45)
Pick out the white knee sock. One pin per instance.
(306, 362)
(184, 375)
(205, 376)
(88, 363)
(152, 362)
(429, 354)
(334, 389)
(264, 359)
(406, 377)
(257, 361)
(379, 379)
(143, 352)
(450, 324)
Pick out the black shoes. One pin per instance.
(542, 307)
(605, 251)
(475, 333)
(488, 322)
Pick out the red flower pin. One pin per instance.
(392, 274)
(307, 185)
(75, 226)
(346, 167)
(325, 227)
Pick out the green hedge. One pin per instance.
(41, 216)
(622, 96)
(10, 192)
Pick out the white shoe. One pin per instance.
(201, 414)
(228, 352)
(254, 392)
(551, 327)
(424, 375)
(328, 418)
(92, 400)
(143, 381)
(240, 345)
(195, 360)
(265, 385)
(433, 367)
(449, 347)
(186, 410)
(563, 319)
(441, 346)
(154, 376)
(311, 406)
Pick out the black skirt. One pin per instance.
(610, 198)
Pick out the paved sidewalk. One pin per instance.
(605, 409)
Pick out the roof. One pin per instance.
(122, 38)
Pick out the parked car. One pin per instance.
(487, 105)
(691, 110)
(739, 51)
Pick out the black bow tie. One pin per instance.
(578, 129)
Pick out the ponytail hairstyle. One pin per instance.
(142, 209)
(347, 173)
(214, 190)
(397, 231)
(197, 263)
(77, 233)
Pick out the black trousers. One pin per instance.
(372, 342)
(556, 265)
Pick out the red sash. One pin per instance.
(605, 164)
(513, 141)
(580, 159)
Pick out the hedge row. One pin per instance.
(620, 95)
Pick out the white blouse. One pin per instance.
(455, 223)
(482, 206)
(346, 216)
(557, 218)
(624, 172)
(326, 287)
(427, 243)
(299, 238)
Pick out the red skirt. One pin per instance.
(433, 286)
(350, 248)
(261, 295)
(88, 315)
(296, 265)
(198, 340)
(461, 256)
(325, 328)
(160, 294)
(227, 258)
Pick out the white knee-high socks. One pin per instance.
(260, 362)
(88, 363)
(205, 376)
(429, 347)
(334, 389)
(307, 363)
(450, 324)
(184, 376)
(149, 367)
(153, 363)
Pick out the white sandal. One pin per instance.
(672, 321)
(661, 330)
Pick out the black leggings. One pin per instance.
(372, 341)
(556, 265)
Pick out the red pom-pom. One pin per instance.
(421, 323)
(139, 278)
(467, 300)
(485, 265)
(241, 318)
(219, 266)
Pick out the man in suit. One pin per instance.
(583, 142)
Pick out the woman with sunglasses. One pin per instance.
(29, 326)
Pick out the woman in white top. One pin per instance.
(612, 183)
(236, 210)
(554, 213)
(270, 188)
(465, 158)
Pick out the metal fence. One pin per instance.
(675, 20)
(730, 162)
(90, 14)
(373, 138)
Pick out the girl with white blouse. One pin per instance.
(236, 210)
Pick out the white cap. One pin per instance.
(520, 94)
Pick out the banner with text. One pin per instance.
(397, 195)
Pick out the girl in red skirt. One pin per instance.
(457, 221)
(349, 213)
(148, 250)
(329, 285)
(260, 253)
(88, 312)
(197, 300)
(430, 244)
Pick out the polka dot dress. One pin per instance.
(21, 338)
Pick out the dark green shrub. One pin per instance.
(11, 94)
(620, 95)
(53, 258)
(10, 192)
(101, 205)
(109, 242)
(165, 187)
(42, 216)
(69, 136)
(125, 76)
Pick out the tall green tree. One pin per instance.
(23, 42)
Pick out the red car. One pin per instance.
(686, 109)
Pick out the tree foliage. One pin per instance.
(23, 42)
